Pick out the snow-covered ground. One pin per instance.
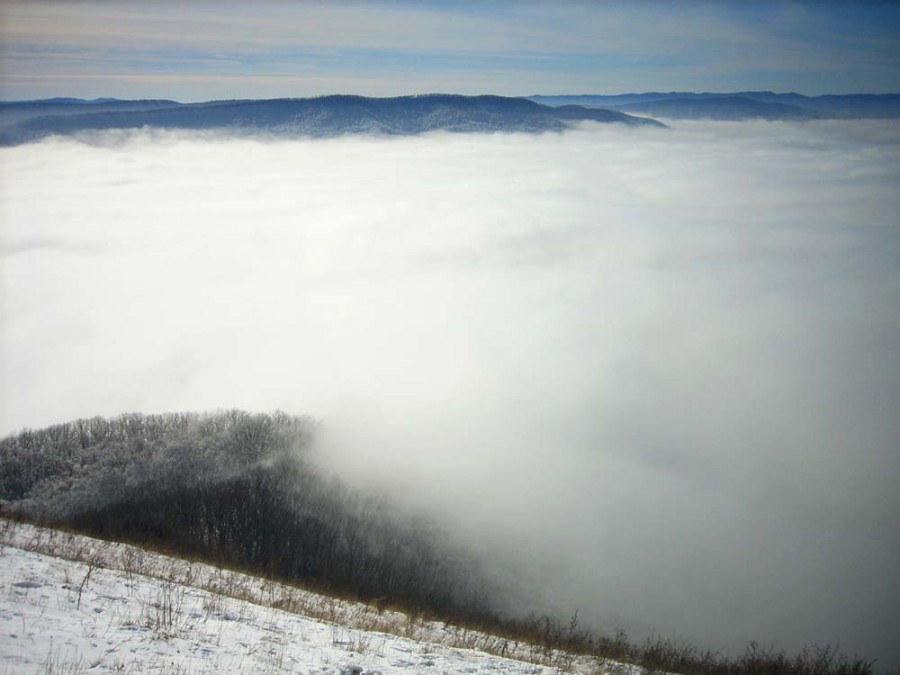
(71, 604)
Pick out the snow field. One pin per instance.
(72, 604)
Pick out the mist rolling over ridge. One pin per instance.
(653, 373)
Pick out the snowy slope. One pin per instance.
(71, 604)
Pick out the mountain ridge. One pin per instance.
(732, 108)
(324, 116)
(738, 105)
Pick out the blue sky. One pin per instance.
(206, 50)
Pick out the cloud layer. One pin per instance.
(659, 367)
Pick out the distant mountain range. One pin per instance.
(743, 105)
(12, 113)
(25, 121)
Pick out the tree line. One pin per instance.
(236, 489)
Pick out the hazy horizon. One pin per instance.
(147, 97)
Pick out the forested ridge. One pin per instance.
(323, 116)
(237, 489)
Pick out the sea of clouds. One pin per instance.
(653, 374)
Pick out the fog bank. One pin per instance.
(660, 368)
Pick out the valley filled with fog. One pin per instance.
(650, 374)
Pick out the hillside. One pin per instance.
(72, 604)
(16, 111)
(302, 117)
(722, 108)
(741, 105)
(237, 490)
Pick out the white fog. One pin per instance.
(658, 369)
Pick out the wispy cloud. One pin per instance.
(508, 48)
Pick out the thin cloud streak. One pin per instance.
(659, 366)
(502, 48)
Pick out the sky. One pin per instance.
(650, 374)
(218, 50)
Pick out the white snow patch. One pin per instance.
(72, 604)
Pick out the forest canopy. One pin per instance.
(237, 489)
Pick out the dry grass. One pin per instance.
(565, 648)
